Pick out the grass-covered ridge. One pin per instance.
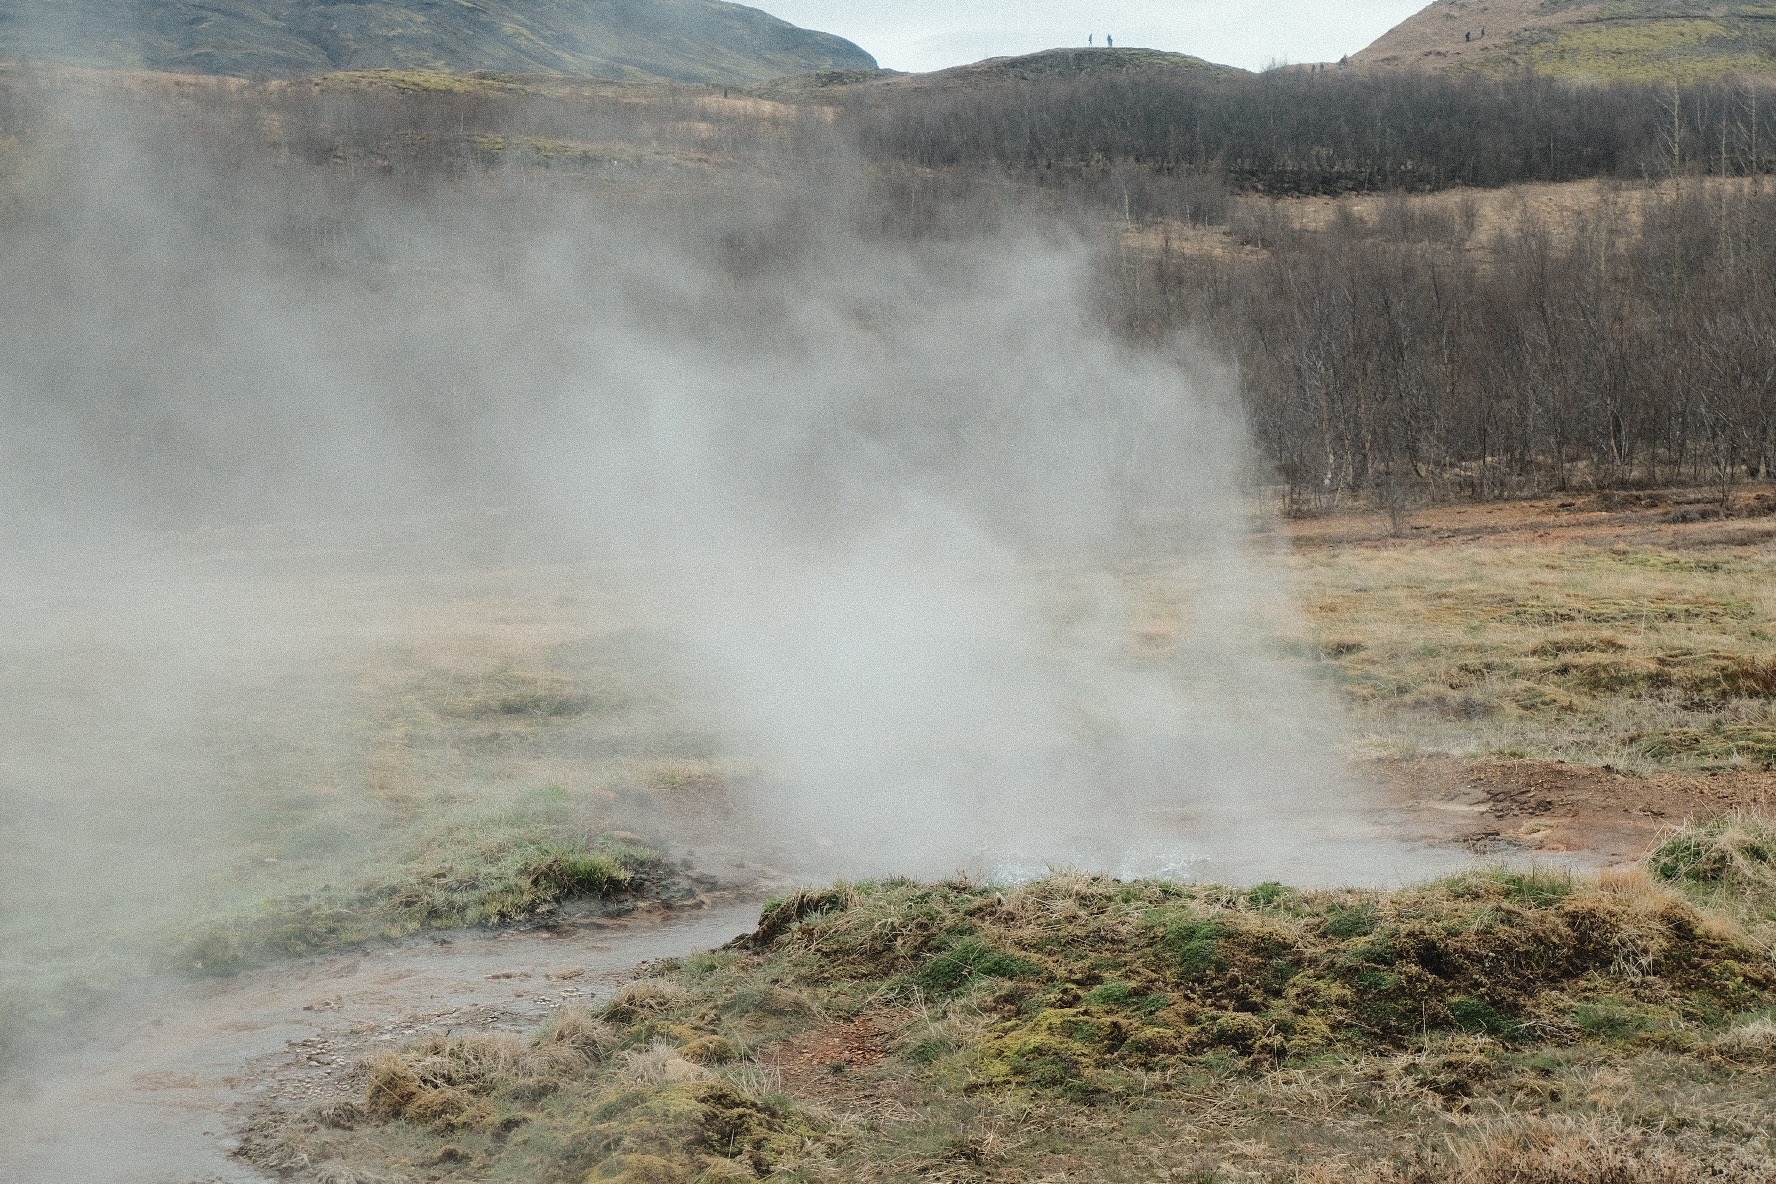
(495, 868)
(1498, 1025)
(1093, 987)
(1649, 43)
(1616, 41)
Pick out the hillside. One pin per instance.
(1061, 63)
(684, 40)
(1048, 66)
(1621, 40)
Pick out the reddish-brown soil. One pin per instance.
(1601, 814)
(1669, 519)
(832, 1065)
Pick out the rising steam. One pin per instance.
(960, 580)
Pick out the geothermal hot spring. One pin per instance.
(900, 557)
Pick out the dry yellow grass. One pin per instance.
(1612, 648)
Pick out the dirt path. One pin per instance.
(157, 1091)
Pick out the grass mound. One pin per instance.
(1494, 1026)
(582, 1101)
(1093, 987)
(1728, 862)
(472, 876)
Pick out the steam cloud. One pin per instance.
(970, 582)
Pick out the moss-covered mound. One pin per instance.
(1095, 984)
(492, 875)
(1497, 1026)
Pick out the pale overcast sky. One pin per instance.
(932, 34)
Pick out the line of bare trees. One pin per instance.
(1631, 343)
(1289, 132)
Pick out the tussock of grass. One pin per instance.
(581, 1101)
(513, 694)
(473, 875)
(1610, 1029)
(1728, 863)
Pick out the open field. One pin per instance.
(508, 720)
(1537, 676)
(1563, 675)
(1632, 630)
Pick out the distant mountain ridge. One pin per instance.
(683, 40)
(1604, 40)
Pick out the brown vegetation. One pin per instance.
(1497, 1026)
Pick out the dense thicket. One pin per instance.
(1327, 131)
(1631, 342)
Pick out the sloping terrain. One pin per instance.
(1068, 62)
(1048, 66)
(684, 40)
(1618, 40)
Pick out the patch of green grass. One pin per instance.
(966, 963)
(512, 866)
(1537, 887)
(1194, 943)
(1350, 920)
(1727, 864)
(1613, 1020)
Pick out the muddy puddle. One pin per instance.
(162, 1083)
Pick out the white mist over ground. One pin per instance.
(973, 580)
(961, 580)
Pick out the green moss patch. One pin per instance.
(476, 875)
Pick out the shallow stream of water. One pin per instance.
(160, 1084)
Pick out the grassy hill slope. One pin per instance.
(1047, 66)
(1612, 40)
(686, 40)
